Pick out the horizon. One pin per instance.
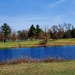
(21, 14)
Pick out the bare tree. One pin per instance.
(54, 31)
(60, 32)
(47, 36)
(68, 28)
(23, 35)
(14, 36)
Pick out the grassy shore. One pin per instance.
(36, 43)
(54, 68)
(38, 68)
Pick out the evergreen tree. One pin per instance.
(38, 31)
(5, 29)
(32, 31)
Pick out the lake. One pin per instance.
(65, 52)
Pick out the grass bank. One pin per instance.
(61, 42)
(54, 68)
(36, 43)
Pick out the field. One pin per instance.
(38, 68)
(35, 43)
(54, 68)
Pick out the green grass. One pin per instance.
(18, 44)
(59, 42)
(54, 68)
(41, 68)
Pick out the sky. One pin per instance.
(21, 14)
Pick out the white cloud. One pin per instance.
(37, 18)
(56, 3)
(58, 19)
(18, 22)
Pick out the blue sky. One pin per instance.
(21, 14)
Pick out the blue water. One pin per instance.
(65, 52)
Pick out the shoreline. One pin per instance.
(31, 60)
(35, 43)
(38, 46)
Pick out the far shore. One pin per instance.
(37, 43)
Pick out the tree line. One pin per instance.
(35, 32)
